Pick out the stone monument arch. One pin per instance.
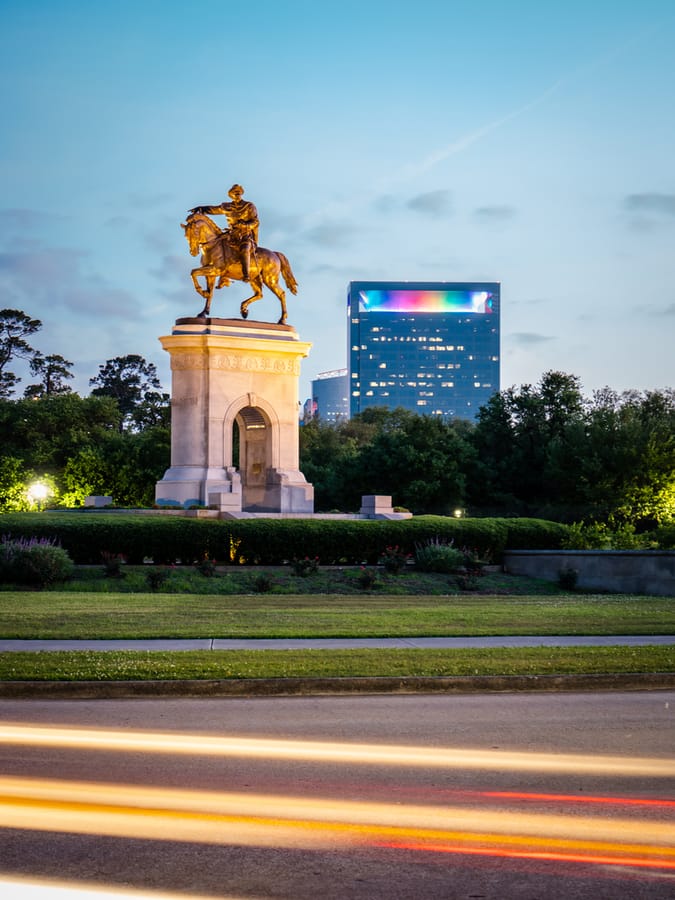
(227, 372)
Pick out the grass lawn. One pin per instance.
(60, 614)
(144, 666)
(260, 603)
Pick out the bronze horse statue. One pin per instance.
(222, 261)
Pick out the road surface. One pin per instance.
(476, 796)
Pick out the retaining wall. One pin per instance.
(623, 571)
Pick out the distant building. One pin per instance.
(432, 348)
(330, 396)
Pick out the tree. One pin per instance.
(523, 441)
(134, 384)
(14, 480)
(15, 327)
(628, 467)
(47, 431)
(419, 460)
(52, 370)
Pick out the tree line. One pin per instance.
(542, 450)
(114, 442)
(539, 450)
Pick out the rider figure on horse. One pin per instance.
(242, 218)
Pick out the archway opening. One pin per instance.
(254, 457)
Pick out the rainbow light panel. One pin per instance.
(413, 301)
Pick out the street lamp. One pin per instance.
(38, 493)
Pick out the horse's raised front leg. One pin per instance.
(195, 273)
(207, 293)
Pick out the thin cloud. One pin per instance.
(529, 338)
(330, 234)
(432, 203)
(173, 267)
(273, 220)
(27, 219)
(41, 277)
(667, 311)
(119, 222)
(496, 214)
(661, 204)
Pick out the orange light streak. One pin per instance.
(573, 798)
(344, 753)
(553, 856)
(269, 820)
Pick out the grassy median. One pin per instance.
(93, 606)
(144, 666)
(80, 616)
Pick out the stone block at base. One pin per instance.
(374, 505)
(97, 501)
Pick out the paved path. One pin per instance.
(341, 643)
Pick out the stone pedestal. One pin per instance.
(227, 372)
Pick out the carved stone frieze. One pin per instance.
(236, 362)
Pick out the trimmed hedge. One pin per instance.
(170, 539)
(665, 536)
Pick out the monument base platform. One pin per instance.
(234, 418)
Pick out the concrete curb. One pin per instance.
(272, 687)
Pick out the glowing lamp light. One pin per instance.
(38, 493)
(458, 513)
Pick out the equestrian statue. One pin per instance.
(233, 254)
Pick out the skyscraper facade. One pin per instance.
(430, 347)
(330, 396)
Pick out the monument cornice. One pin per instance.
(238, 347)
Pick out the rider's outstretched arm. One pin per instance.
(208, 210)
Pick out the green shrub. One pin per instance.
(532, 534)
(306, 566)
(34, 561)
(112, 564)
(367, 579)
(394, 560)
(474, 561)
(602, 536)
(169, 539)
(156, 578)
(665, 536)
(436, 555)
(466, 582)
(206, 567)
(263, 583)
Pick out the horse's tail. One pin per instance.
(287, 273)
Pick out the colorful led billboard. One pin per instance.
(478, 299)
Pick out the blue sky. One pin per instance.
(527, 143)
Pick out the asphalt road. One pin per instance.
(499, 796)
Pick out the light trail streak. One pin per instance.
(343, 753)
(30, 889)
(289, 822)
(547, 855)
(654, 802)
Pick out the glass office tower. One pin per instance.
(430, 347)
(330, 396)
